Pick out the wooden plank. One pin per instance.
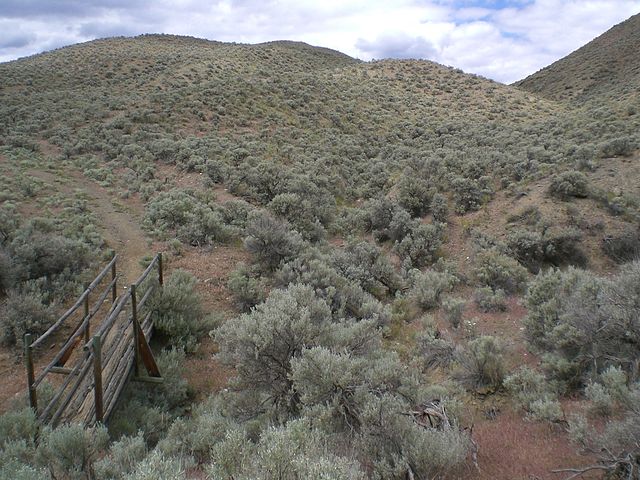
(97, 377)
(61, 370)
(114, 288)
(81, 366)
(28, 359)
(59, 322)
(144, 275)
(146, 355)
(108, 323)
(146, 295)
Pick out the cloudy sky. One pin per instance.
(501, 39)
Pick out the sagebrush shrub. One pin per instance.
(621, 146)
(489, 300)
(7, 272)
(367, 265)
(427, 287)
(453, 309)
(583, 323)
(247, 289)
(414, 193)
(569, 184)
(71, 450)
(481, 363)
(420, 246)
(177, 311)
(270, 241)
(261, 344)
(22, 313)
(624, 247)
(499, 271)
(122, 459)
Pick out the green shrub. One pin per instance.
(189, 216)
(601, 400)
(584, 324)
(38, 250)
(196, 435)
(439, 208)
(546, 410)
(498, 271)
(7, 272)
(453, 309)
(621, 146)
(420, 246)
(122, 459)
(367, 265)
(261, 344)
(489, 300)
(428, 286)
(345, 298)
(569, 184)
(299, 211)
(388, 220)
(481, 363)
(526, 385)
(247, 289)
(396, 445)
(551, 248)
(270, 241)
(434, 350)
(623, 248)
(22, 313)
(290, 452)
(156, 466)
(236, 213)
(414, 193)
(150, 408)
(177, 312)
(20, 425)
(469, 194)
(15, 470)
(70, 451)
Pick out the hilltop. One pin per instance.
(362, 236)
(606, 68)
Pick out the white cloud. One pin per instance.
(505, 40)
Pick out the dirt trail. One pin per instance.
(119, 224)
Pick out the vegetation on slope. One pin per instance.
(377, 203)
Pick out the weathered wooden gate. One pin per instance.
(110, 350)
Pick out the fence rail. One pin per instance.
(120, 343)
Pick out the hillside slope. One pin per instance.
(608, 66)
(388, 214)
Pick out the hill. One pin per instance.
(608, 67)
(362, 236)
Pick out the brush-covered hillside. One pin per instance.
(605, 69)
(387, 270)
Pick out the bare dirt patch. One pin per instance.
(119, 223)
(513, 448)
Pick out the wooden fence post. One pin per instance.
(114, 289)
(28, 359)
(160, 275)
(136, 330)
(86, 315)
(97, 377)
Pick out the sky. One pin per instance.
(505, 40)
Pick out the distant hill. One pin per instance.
(608, 66)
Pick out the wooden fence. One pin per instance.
(111, 348)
